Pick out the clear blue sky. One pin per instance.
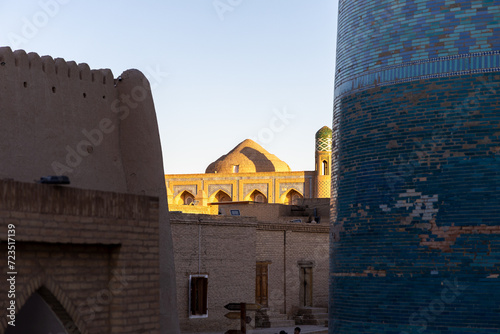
(222, 70)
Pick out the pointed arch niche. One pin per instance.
(42, 313)
(184, 198)
(292, 197)
(256, 196)
(220, 196)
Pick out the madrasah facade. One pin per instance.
(248, 173)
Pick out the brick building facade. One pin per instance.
(250, 173)
(267, 255)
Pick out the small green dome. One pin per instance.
(324, 132)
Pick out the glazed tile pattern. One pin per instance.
(324, 144)
(385, 41)
(484, 62)
(415, 230)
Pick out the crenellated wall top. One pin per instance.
(54, 67)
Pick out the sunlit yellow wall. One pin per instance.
(239, 186)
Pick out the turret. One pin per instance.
(323, 163)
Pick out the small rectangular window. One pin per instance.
(198, 305)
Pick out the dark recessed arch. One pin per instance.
(257, 196)
(220, 196)
(185, 198)
(292, 197)
(42, 313)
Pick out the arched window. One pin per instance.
(325, 169)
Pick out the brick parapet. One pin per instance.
(205, 219)
(24, 198)
(294, 227)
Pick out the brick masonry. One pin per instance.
(301, 246)
(96, 252)
(222, 248)
(227, 249)
(415, 237)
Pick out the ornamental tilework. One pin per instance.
(377, 36)
(415, 233)
(323, 187)
(249, 187)
(324, 144)
(417, 209)
(285, 187)
(228, 188)
(180, 188)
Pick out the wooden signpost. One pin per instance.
(237, 306)
(242, 315)
(233, 315)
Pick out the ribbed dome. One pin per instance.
(324, 132)
(248, 157)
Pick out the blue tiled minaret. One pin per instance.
(415, 220)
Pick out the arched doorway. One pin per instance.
(41, 314)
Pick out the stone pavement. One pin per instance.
(305, 329)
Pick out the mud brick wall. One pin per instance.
(224, 249)
(96, 253)
(286, 247)
(58, 117)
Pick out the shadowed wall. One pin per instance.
(59, 117)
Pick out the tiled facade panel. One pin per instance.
(415, 244)
(376, 34)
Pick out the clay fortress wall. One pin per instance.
(58, 117)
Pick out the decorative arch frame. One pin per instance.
(50, 289)
(253, 193)
(285, 195)
(178, 199)
(212, 197)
